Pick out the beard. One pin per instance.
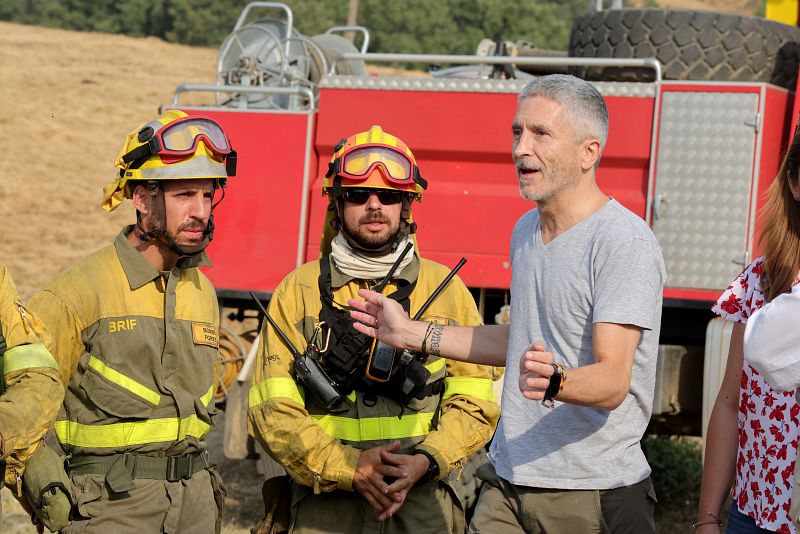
(371, 240)
(190, 245)
(551, 181)
(187, 245)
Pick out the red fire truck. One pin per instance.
(701, 107)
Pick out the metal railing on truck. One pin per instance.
(649, 63)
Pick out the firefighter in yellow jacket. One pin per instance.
(32, 391)
(377, 459)
(134, 329)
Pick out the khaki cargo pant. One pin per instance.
(192, 506)
(505, 508)
(430, 508)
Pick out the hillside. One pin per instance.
(69, 99)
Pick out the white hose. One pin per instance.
(244, 373)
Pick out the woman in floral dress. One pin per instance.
(753, 433)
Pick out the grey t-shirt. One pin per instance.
(607, 268)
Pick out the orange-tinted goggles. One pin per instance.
(358, 163)
(361, 161)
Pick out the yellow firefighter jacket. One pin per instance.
(321, 449)
(136, 349)
(33, 391)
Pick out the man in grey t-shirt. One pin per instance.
(582, 345)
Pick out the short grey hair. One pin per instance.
(584, 107)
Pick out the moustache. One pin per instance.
(525, 166)
(193, 226)
(375, 216)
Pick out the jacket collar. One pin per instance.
(136, 268)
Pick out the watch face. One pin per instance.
(433, 471)
(433, 467)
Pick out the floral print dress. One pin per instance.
(769, 422)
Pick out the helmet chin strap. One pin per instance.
(160, 232)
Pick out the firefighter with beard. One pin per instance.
(377, 460)
(134, 329)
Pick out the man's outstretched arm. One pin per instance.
(383, 318)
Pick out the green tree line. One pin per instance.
(410, 26)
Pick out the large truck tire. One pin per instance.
(690, 45)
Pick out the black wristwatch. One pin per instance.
(554, 388)
(433, 468)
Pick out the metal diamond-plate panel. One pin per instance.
(702, 188)
(467, 85)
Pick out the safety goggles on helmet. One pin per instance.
(358, 163)
(359, 196)
(179, 139)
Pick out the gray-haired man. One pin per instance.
(581, 348)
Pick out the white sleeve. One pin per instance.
(772, 341)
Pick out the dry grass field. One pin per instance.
(67, 100)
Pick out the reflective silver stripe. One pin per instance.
(197, 167)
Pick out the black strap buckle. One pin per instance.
(180, 468)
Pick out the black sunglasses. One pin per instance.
(361, 196)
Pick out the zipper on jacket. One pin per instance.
(316, 477)
(26, 323)
(19, 483)
(460, 466)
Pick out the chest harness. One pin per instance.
(345, 353)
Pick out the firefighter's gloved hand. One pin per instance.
(416, 465)
(383, 318)
(48, 488)
(370, 474)
(535, 369)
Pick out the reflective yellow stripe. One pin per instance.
(274, 387)
(205, 399)
(435, 366)
(481, 388)
(125, 382)
(352, 396)
(135, 433)
(374, 428)
(27, 356)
